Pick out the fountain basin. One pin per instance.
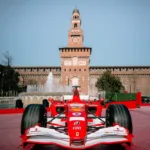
(37, 97)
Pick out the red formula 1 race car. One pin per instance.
(76, 124)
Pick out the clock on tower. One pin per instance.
(75, 39)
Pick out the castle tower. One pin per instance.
(75, 58)
(75, 34)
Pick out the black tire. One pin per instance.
(45, 103)
(19, 103)
(119, 114)
(33, 114)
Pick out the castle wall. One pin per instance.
(38, 75)
(133, 78)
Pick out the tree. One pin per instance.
(2, 73)
(9, 80)
(7, 59)
(109, 83)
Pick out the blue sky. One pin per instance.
(117, 30)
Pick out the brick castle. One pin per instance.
(75, 67)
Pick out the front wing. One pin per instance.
(110, 135)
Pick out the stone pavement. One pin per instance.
(10, 133)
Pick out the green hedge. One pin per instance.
(120, 96)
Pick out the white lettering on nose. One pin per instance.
(77, 128)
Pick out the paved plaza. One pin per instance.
(10, 133)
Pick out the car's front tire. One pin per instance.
(119, 114)
(33, 114)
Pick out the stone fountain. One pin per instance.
(36, 93)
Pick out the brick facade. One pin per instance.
(75, 67)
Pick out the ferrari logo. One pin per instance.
(77, 133)
(76, 123)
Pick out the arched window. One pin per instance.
(75, 17)
(75, 61)
(75, 25)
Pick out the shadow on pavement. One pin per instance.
(101, 147)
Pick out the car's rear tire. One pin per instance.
(33, 114)
(19, 103)
(119, 114)
(45, 103)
